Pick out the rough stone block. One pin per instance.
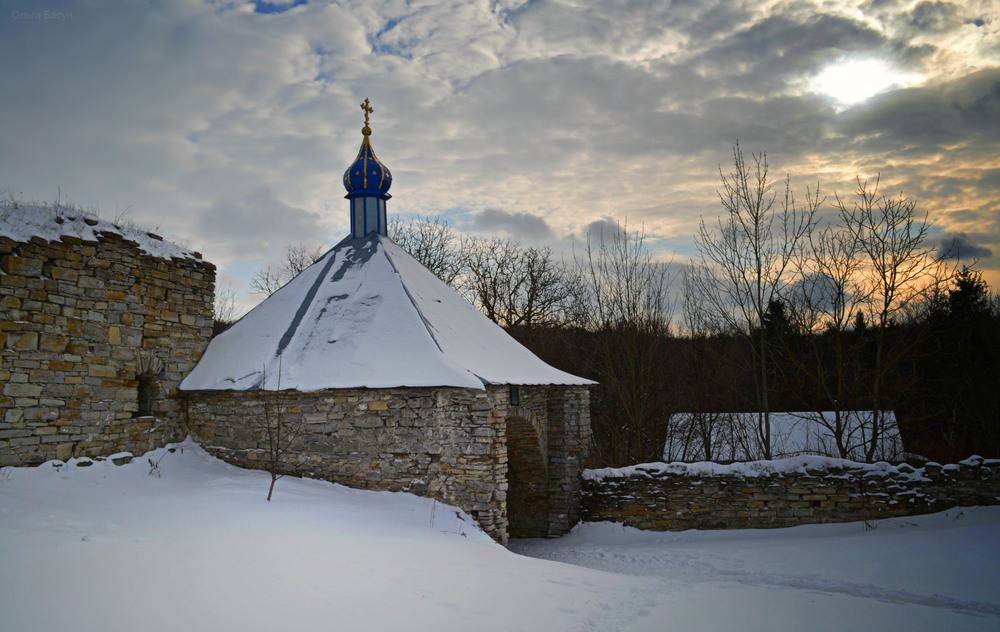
(25, 441)
(101, 371)
(21, 266)
(18, 389)
(53, 343)
(22, 341)
(64, 274)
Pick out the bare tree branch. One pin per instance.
(746, 258)
(433, 243)
(297, 257)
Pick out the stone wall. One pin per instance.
(528, 465)
(446, 443)
(452, 444)
(676, 497)
(569, 438)
(80, 321)
(548, 438)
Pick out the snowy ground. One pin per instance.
(113, 548)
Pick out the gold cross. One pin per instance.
(367, 107)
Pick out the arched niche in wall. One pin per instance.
(148, 388)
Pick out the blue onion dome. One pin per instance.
(366, 175)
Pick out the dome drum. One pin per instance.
(368, 215)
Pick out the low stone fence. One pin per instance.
(789, 492)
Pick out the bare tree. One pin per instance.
(706, 384)
(630, 313)
(823, 304)
(297, 258)
(745, 260)
(433, 243)
(278, 430)
(517, 286)
(899, 269)
(225, 307)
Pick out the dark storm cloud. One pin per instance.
(933, 17)
(820, 291)
(764, 56)
(519, 225)
(958, 246)
(964, 215)
(259, 223)
(919, 120)
(603, 229)
(784, 126)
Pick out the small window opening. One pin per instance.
(515, 396)
(146, 395)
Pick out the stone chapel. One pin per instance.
(398, 383)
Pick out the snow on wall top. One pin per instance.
(366, 315)
(806, 464)
(21, 222)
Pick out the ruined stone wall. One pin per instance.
(445, 443)
(670, 498)
(79, 321)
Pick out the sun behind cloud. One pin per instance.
(852, 81)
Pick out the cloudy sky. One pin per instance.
(227, 125)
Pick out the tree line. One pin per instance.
(792, 303)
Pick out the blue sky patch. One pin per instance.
(268, 8)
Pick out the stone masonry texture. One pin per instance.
(654, 499)
(451, 444)
(80, 320)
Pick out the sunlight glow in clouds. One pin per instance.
(855, 80)
(228, 122)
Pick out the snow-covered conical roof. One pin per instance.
(367, 315)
